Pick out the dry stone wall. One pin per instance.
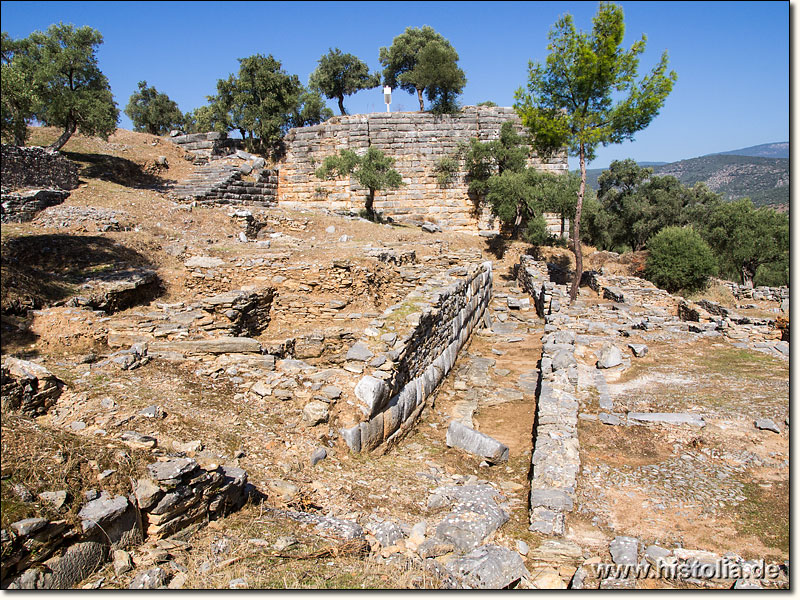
(441, 321)
(34, 167)
(202, 147)
(176, 493)
(417, 142)
(556, 453)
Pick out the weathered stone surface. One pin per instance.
(547, 578)
(172, 469)
(475, 515)
(318, 455)
(373, 393)
(28, 526)
(638, 350)
(387, 533)
(767, 424)
(475, 442)
(666, 418)
(149, 580)
(489, 567)
(315, 412)
(56, 499)
(608, 357)
(624, 550)
(28, 387)
(203, 262)
(359, 352)
(285, 490)
(552, 499)
(122, 562)
(223, 345)
(103, 510)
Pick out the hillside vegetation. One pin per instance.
(764, 180)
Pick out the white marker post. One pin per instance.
(387, 96)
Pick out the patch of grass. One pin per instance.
(765, 514)
(715, 292)
(400, 313)
(730, 361)
(312, 563)
(43, 459)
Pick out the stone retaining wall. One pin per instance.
(21, 207)
(442, 318)
(417, 142)
(224, 185)
(556, 456)
(231, 314)
(202, 147)
(28, 387)
(43, 554)
(775, 294)
(34, 167)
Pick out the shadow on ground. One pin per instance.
(41, 270)
(121, 171)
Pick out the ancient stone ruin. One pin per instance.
(417, 141)
(33, 179)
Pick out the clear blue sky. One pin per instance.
(732, 58)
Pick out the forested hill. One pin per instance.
(764, 180)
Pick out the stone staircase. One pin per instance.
(222, 183)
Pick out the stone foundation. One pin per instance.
(556, 454)
(394, 394)
(34, 167)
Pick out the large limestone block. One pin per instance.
(475, 442)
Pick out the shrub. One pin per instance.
(679, 259)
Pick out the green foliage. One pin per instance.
(262, 102)
(421, 60)
(53, 77)
(487, 103)
(586, 95)
(639, 204)
(152, 111)
(446, 169)
(310, 110)
(373, 171)
(745, 238)
(19, 97)
(338, 75)
(570, 100)
(679, 259)
(484, 159)
(520, 199)
(203, 119)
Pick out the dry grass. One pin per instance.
(715, 292)
(43, 459)
(312, 562)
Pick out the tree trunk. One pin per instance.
(517, 222)
(748, 274)
(19, 136)
(368, 205)
(419, 97)
(64, 138)
(563, 224)
(576, 231)
(341, 105)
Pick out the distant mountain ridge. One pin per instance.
(772, 150)
(760, 173)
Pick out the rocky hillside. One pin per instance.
(765, 180)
